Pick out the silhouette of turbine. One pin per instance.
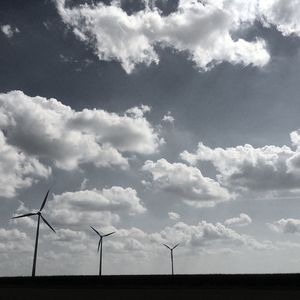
(39, 214)
(171, 249)
(101, 236)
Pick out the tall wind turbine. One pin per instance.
(101, 236)
(40, 216)
(171, 249)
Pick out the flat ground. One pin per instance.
(154, 287)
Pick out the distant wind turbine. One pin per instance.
(171, 249)
(39, 214)
(101, 236)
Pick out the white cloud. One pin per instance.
(202, 31)
(83, 184)
(241, 220)
(13, 240)
(245, 168)
(76, 241)
(293, 163)
(138, 112)
(17, 170)
(282, 14)
(174, 216)
(186, 182)
(46, 129)
(9, 31)
(206, 234)
(11, 235)
(130, 241)
(285, 226)
(35, 129)
(168, 118)
(98, 207)
(22, 209)
(132, 232)
(146, 184)
(133, 244)
(125, 241)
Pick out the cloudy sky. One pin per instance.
(165, 121)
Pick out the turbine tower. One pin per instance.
(171, 249)
(40, 216)
(101, 236)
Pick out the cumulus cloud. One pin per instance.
(13, 240)
(17, 170)
(282, 14)
(138, 112)
(34, 129)
(293, 163)
(134, 243)
(98, 207)
(241, 220)
(11, 235)
(9, 31)
(204, 237)
(125, 241)
(168, 118)
(245, 168)
(67, 235)
(27, 222)
(285, 226)
(129, 241)
(205, 234)
(83, 184)
(174, 216)
(75, 241)
(186, 182)
(201, 29)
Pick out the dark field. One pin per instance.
(278, 286)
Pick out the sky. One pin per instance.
(165, 121)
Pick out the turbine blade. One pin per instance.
(48, 224)
(167, 246)
(95, 230)
(26, 215)
(44, 202)
(100, 241)
(175, 246)
(109, 233)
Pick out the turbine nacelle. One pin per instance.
(38, 213)
(101, 236)
(171, 248)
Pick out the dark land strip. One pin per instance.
(144, 287)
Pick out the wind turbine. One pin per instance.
(101, 236)
(171, 249)
(40, 216)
